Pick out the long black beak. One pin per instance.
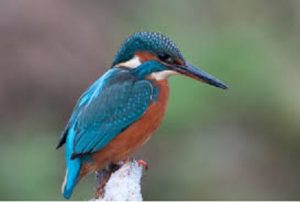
(198, 74)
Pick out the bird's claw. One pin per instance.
(143, 163)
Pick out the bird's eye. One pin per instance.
(166, 58)
(169, 60)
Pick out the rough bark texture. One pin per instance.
(124, 184)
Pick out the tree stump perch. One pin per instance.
(123, 185)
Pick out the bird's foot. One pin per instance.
(143, 163)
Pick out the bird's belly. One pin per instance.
(135, 135)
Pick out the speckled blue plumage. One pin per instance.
(149, 41)
(109, 106)
(113, 102)
(118, 99)
(117, 106)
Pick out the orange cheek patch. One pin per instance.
(145, 56)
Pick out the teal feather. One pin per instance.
(118, 105)
(112, 103)
(73, 166)
(153, 42)
(108, 107)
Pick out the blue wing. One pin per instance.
(83, 101)
(108, 109)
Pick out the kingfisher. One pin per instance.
(120, 111)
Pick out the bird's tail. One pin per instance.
(71, 177)
(73, 167)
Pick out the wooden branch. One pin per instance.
(124, 184)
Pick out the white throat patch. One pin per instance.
(132, 63)
(162, 75)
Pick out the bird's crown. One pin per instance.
(153, 42)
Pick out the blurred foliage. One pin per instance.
(240, 144)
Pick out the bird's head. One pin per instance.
(155, 56)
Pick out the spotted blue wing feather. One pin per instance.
(108, 107)
(117, 105)
(83, 101)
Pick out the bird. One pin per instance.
(119, 112)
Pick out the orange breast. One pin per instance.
(135, 135)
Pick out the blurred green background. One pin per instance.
(240, 144)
